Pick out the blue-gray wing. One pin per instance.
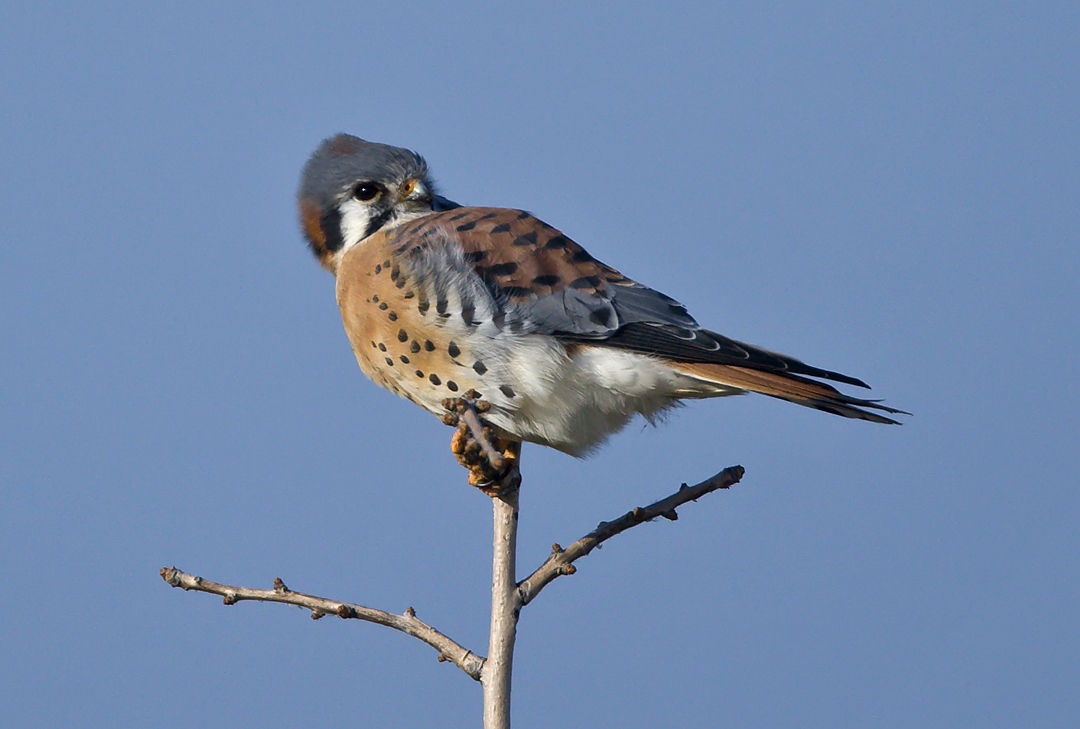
(541, 281)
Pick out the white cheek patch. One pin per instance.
(355, 216)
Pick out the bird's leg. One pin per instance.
(492, 460)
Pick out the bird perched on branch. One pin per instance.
(439, 299)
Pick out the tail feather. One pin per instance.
(793, 388)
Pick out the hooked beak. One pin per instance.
(414, 193)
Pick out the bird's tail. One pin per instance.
(786, 386)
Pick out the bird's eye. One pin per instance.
(366, 191)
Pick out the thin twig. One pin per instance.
(507, 598)
(407, 623)
(560, 562)
(505, 607)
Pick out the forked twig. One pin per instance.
(561, 561)
(508, 597)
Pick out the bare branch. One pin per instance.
(507, 597)
(505, 608)
(561, 562)
(407, 623)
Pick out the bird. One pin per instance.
(440, 299)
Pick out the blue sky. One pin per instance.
(887, 189)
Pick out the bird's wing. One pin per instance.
(542, 281)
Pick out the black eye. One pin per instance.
(366, 191)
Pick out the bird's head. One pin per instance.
(351, 188)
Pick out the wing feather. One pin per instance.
(542, 281)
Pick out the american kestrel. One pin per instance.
(439, 299)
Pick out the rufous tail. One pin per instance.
(793, 388)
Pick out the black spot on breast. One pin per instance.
(453, 349)
(378, 269)
(384, 306)
(440, 305)
(434, 378)
(547, 280)
(395, 272)
(423, 305)
(467, 313)
(601, 316)
(400, 283)
(402, 335)
(528, 239)
(409, 294)
(404, 359)
(389, 362)
(375, 298)
(557, 241)
(414, 347)
(429, 346)
(374, 345)
(480, 367)
(382, 347)
(507, 390)
(386, 263)
(451, 386)
(419, 373)
(392, 316)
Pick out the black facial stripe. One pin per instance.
(330, 223)
(378, 221)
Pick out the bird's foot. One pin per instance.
(491, 460)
